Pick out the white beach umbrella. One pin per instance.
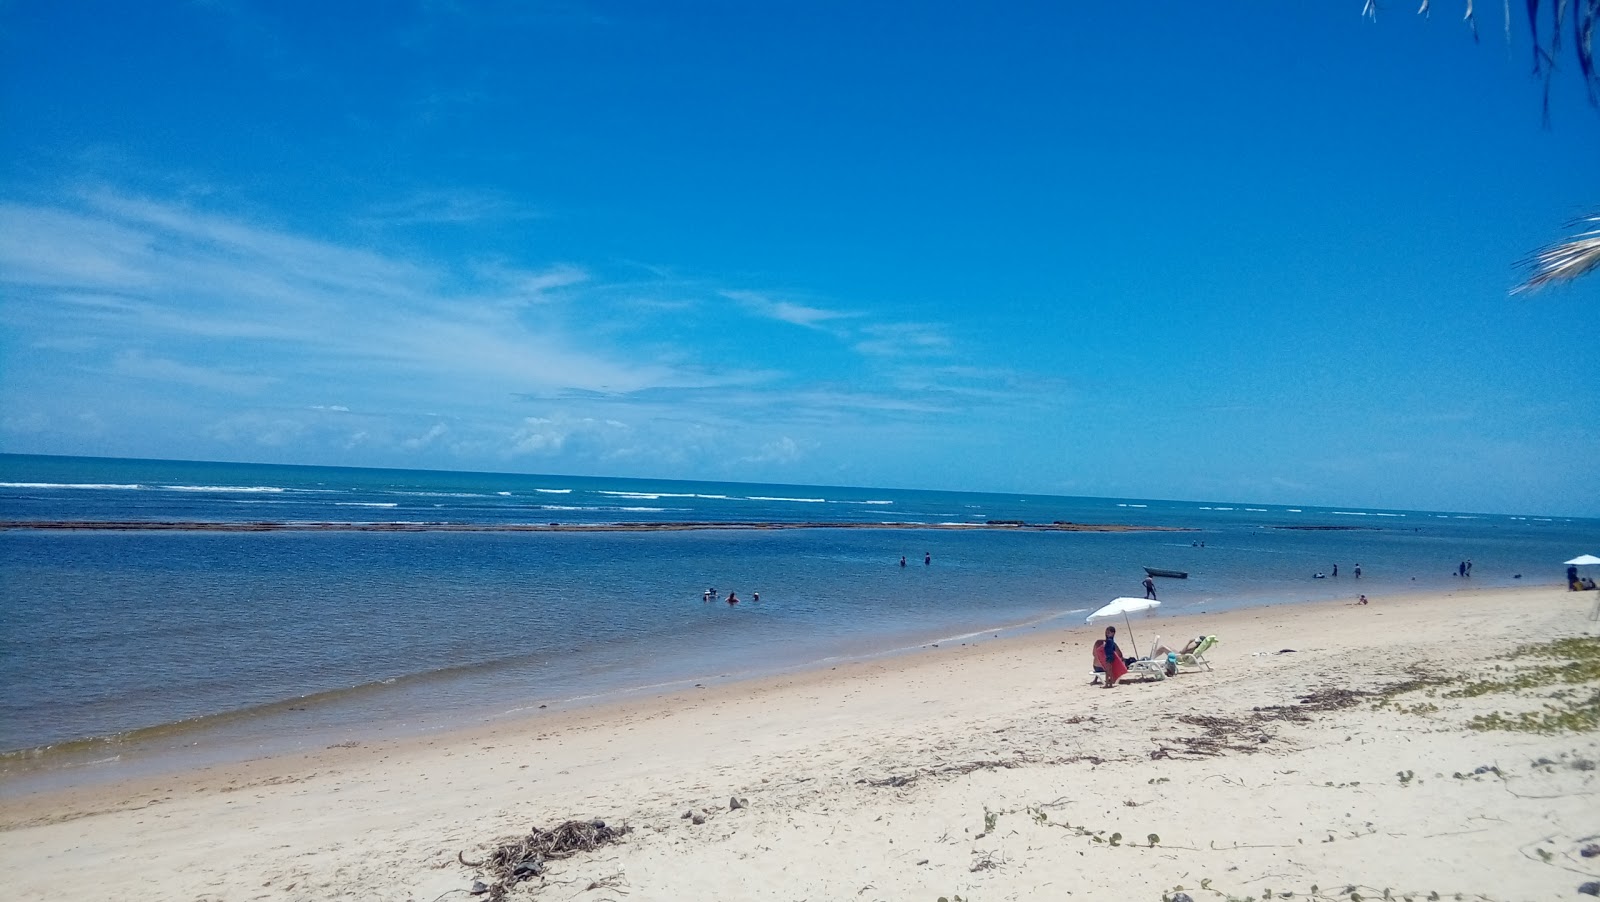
(1584, 560)
(1124, 606)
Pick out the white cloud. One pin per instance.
(140, 366)
(547, 436)
(141, 272)
(258, 429)
(903, 339)
(447, 207)
(786, 311)
(427, 438)
(783, 450)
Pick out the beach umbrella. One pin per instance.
(1584, 560)
(1123, 607)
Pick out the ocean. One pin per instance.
(121, 649)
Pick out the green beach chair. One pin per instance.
(1197, 658)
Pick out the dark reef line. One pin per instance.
(282, 526)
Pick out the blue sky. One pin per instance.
(1251, 252)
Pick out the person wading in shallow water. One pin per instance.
(1149, 587)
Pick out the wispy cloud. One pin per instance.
(447, 208)
(786, 311)
(140, 366)
(122, 266)
(903, 339)
(238, 332)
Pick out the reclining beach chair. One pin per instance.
(1158, 667)
(1149, 667)
(1197, 658)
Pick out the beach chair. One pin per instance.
(1149, 667)
(1159, 667)
(1197, 658)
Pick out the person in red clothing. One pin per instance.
(1108, 657)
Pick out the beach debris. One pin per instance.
(697, 818)
(1181, 897)
(1590, 851)
(1222, 735)
(985, 861)
(1592, 888)
(478, 888)
(519, 860)
(735, 803)
(963, 768)
(1248, 734)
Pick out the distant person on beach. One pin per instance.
(1149, 587)
(1358, 571)
(1461, 568)
(1335, 571)
(732, 598)
(927, 558)
(902, 560)
(1362, 600)
(1161, 651)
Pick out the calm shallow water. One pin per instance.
(115, 645)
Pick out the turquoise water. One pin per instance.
(120, 645)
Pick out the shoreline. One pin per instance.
(676, 526)
(903, 775)
(43, 770)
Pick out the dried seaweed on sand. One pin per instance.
(515, 861)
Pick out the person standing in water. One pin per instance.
(1149, 587)
(927, 558)
(902, 560)
(732, 598)
(1358, 571)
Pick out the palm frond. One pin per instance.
(1563, 261)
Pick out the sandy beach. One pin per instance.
(986, 771)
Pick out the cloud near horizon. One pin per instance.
(237, 331)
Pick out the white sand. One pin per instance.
(1318, 803)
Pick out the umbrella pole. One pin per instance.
(1131, 641)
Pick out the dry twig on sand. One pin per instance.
(512, 862)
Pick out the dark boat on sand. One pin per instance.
(1170, 574)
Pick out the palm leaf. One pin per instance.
(1563, 261)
